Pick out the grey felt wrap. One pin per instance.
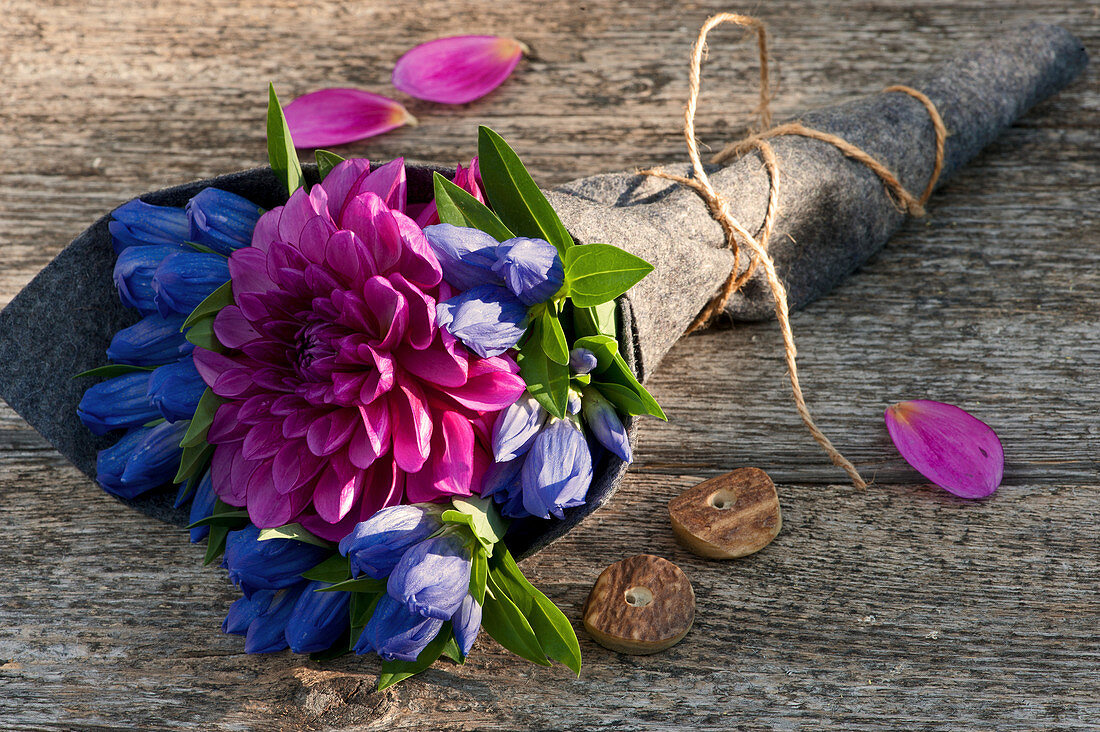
(834, 212)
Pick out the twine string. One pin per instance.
(758, 244)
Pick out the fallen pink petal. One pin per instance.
(458, 69)
(953, 449)
(339, 116)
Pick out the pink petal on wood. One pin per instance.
(339, 116)
(458, 69)
(953, 449)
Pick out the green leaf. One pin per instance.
(598, 273)
(486, 522)
(193, 461)
(457, 207)
(396, 671)
(547, 381)
(501, 619)
(295, 532)
(232, 519)
(553, 629)
(280, 148)
(201, 333)
(326, 161)
(360, 608)
(452, 651)
(605, 348)
(367, 585)
(215, 544)
(112, 370)
(596, 320)
(553, 338)
(479, 573)
(517, 200)
(155, 422)
(203, 248)
(334, 569)
(204, 417)
(211, 304)
(620, 374)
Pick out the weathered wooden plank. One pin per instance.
(899, 603)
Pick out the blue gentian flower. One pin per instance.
(573, 404)
(245, 610)
(267, 565)
(137, 223)
(134, 271)
(184, 279)
(267, 633)
(467, 255)
(222, 220)
(396, 634)
(145, 458)
(488, 319)
(175, 389)
(152, 341)
(466, 623)
(318, 619)
(602, 418)
(432, 576)
(557, 471)
(118, 403)
(516, 428)
(202, 506)
(502, 483)
(375, 546)
(582, 361)
(531, 268)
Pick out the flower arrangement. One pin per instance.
(356, 393)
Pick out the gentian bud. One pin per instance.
(267, 633)
(222, 220)
(155, 459)
(202, 506)
(138, 224)
(267, 565)
(516, 428)
(184, 279)
(487, 319)
(467, 255)
(582, 361)
(466, 623)
(152, 341)
(531, 268)
(502, 483)
(433, 576)
(375, 546)
(175, 389)
(603, 420)
(245, 610)
(558, 470)
(118, 403)
(111, 462)
(396, 634)
(318, 619)
(134, 270)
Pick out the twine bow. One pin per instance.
(758, 245)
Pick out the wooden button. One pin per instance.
(640, 605)
(729, 516)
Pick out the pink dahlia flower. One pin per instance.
(342, 396)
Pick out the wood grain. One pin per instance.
(900, 605)
(728, 516)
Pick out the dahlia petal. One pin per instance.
(267, 508)
(232, 383)
(313, 243)
(222, 464)
(342, 254)
(252, 306)
(248, 271)
(294, 466)
(390, 309)
(458, 69)
(450, 468)
(296, 425)
(339, 181)
(262, 441)
(411, 426)
(468, 179)
(211, 365)
(371, 220)
(418, 261)
(330, 432)
(226, 427)
(281, 256)
(493, 384)
(267, 229)
(337, 116)
(436, 364)
(388, 182)
(360, 451)
(375, 417)
(336, 491)
(297, 212)
(953, 449)
(232, 329)
(421, 325)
